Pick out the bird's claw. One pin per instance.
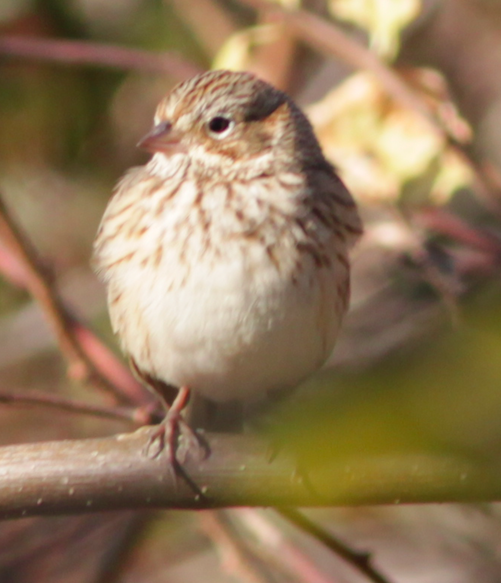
(176, 439)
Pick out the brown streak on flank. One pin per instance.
(341, 201)
(302, 226)
(151, 190)
(343, 260)
(182, 253)
(205, 222)
(124, 209)
(312, 251)
(157, 258)
(322, 217)
(102, 241)
(115, 299)
(169, 196)
(127, 257)
(272, 257)
(200, 195)
(131, 232)
(353, 230)
(334, 219)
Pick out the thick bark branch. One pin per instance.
(113, 473)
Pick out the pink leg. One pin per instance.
(165, 436)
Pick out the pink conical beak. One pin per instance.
(162, 138)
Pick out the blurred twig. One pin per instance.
(278, 547)
(139, 416)
(235, 555)
(39, 284)
(72, 52)
(447, 224)
(360, 561)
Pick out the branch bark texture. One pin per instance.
(112, 473)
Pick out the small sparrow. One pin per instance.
(225, 257)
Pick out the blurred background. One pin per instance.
(405, 97)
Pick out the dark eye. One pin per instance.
(219, 124)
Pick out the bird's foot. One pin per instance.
(174, 436)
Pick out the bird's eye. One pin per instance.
(219, 125)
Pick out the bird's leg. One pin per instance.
(166, 433)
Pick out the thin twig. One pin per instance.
(235, 556)
(39, 284)
(104, 360)
(450, 225)
(278, 547)
(72, 52)
(360, 561)
(101, 356)
(139, 416)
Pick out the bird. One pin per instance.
(225, 256)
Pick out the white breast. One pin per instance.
(197, 307)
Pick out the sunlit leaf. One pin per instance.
(380, 147)
(383, 20)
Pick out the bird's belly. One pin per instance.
(228, 331)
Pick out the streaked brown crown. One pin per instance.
(261, 118)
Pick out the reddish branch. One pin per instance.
(139, 416)
(445, 223)
(72, 52)
(35, 278)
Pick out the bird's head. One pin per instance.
(230, 122)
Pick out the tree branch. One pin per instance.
(71, 52)
(64, 325)
(113, 473)
(358, 560)
(137, 416)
